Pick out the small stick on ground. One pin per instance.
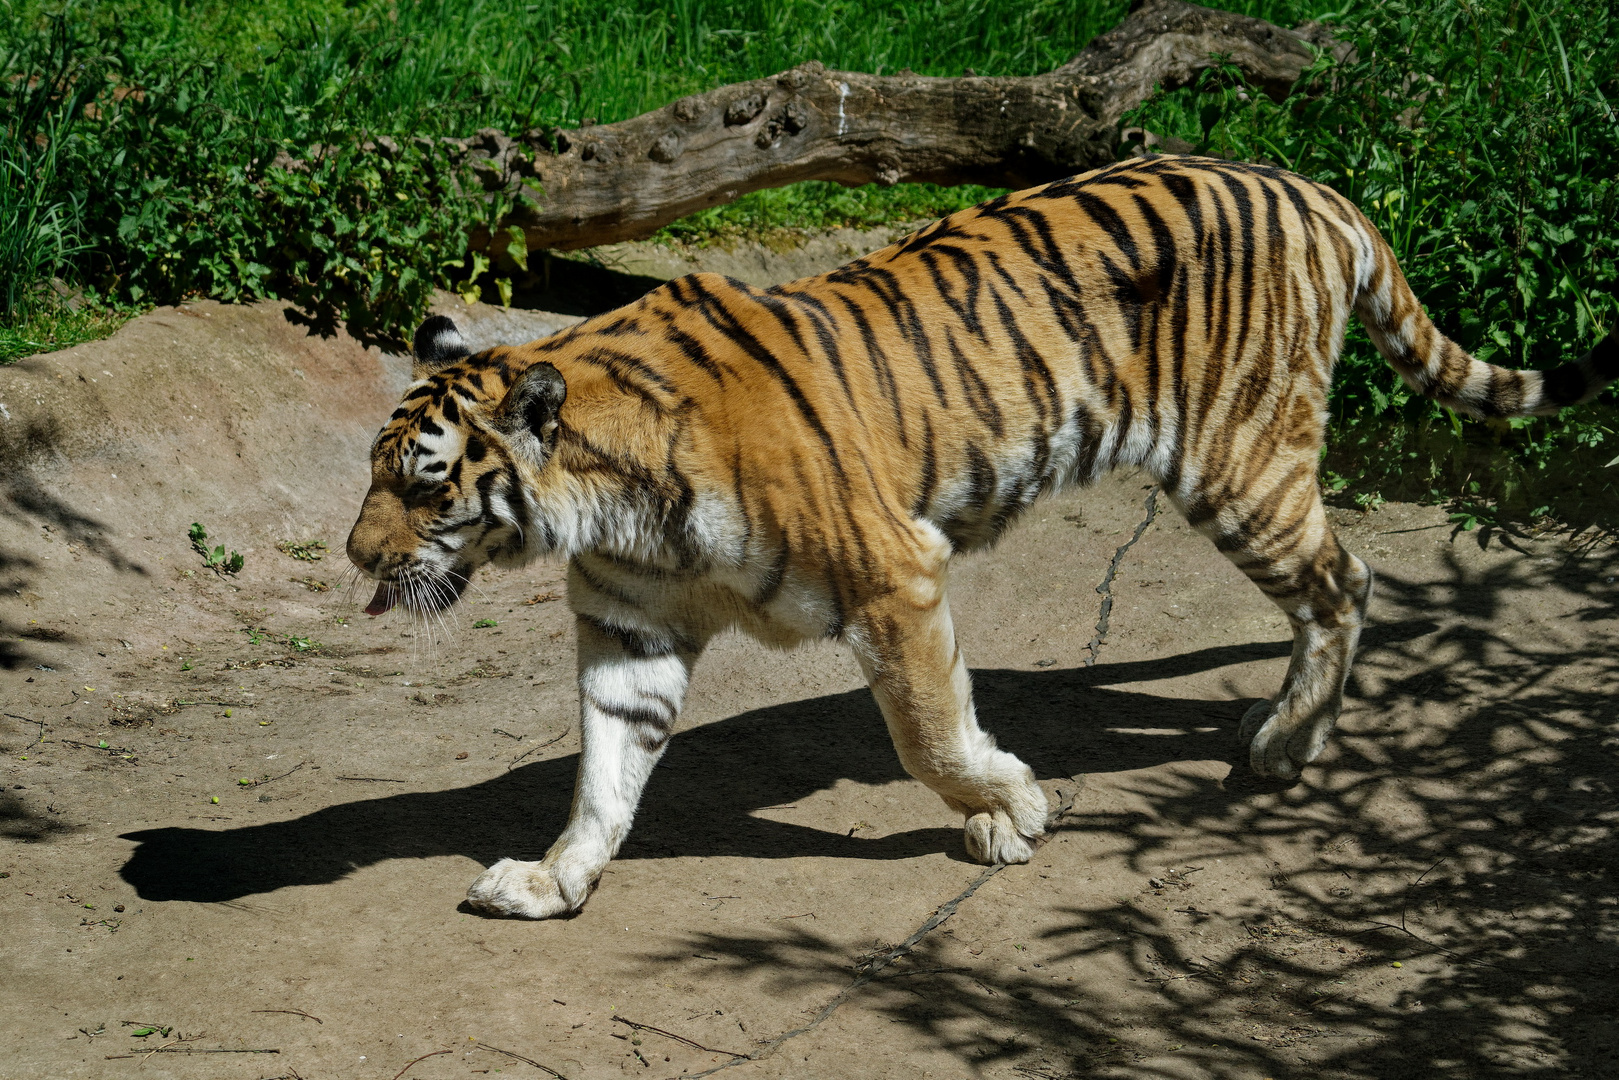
(191, 1050)
(114, 751)
(401, 1072)
(261, 783)
(519, 1057)
(292, 1012)
(372, 779)
(872, 969)
(537, 749)
(30, 720)
(1452, 953)
(677, 1038)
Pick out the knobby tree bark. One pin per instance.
(601, 184)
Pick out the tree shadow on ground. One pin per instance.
(1462, 827)
(27, 504)
(1462, 824)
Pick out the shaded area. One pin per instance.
(24, 502)
(18, 821)
(1463, 872)
(571, 286)
(326, 320)
(1469, 799)
(1060, 722)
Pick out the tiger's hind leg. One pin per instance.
(906, 644)
(1277, 534)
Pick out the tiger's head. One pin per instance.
(453, 469)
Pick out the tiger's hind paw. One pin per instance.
(1277, 749)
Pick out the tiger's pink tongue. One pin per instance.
(383, 600)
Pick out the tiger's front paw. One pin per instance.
(1008, 834)
(526, 890)
(992, 838)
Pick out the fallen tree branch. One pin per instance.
(612, 182)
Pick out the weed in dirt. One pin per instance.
(214, 558)
(484, 624)
(303, 550)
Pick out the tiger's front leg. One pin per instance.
(906, 644)
(630, 690)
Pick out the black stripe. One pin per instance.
(1038, 376)
(1103, 214)
(725, 321)
(634, 642)
(880, 369)
(907, 319)
(930, 471)
(973, 387)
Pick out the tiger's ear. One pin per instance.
(528, 418)
(437, 342)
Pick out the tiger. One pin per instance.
(802, 462)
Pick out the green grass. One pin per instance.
(48, 328)
(165, 192)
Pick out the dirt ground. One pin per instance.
(238, 816)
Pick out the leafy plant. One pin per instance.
(45, 84)
(483, 624)
(1478, 136)
(214, 558)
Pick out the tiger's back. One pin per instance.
(802, 461)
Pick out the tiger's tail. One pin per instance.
(1438, 368)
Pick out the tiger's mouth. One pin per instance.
(387, 595)
(423, 594)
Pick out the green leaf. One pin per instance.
(517, 247)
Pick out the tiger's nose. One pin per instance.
(366, 556)
(365, 562)
(379, 521)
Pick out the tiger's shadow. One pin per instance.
(701, 799)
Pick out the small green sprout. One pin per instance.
(214, 558)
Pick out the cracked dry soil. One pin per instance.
(1434, 899)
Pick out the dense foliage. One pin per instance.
(144, 135)
(141, 141)
(1480, 137)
